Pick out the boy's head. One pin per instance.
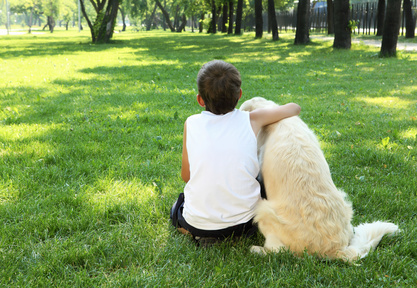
(219, 86)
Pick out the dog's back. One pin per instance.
(312, 212)
(304, 209)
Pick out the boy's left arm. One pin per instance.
(265, 116)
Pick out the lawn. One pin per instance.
(91, 139)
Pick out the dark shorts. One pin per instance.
(245, 229)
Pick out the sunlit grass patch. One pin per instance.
(390, 102)
(8, 192)
(410, 133)
(108, 192)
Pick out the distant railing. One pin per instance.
(364, 13)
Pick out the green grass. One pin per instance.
(90, 145)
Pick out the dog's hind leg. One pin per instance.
(272, 244)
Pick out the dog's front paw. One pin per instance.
(258, 250)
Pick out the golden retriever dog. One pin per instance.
(304, 210)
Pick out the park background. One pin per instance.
(230, 16)
(91, 139)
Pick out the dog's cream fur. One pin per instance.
(305, 210)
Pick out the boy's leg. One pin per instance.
(174, 209)
(176, 214)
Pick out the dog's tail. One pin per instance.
(366, 237)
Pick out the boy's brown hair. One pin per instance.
(219, 84)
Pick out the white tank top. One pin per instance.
(222, 152)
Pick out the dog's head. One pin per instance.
(255, 103)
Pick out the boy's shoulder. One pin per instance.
(194, 116)
(208, 115)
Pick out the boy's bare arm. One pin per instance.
(185, 167)
(265, 116)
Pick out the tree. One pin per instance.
(123, 16)
(302, 34)
(330, 17)
(212, 28)
(106, 15)
(151, 18)
(27, 7)
(239, 11)
(342, 26)
(51, 11)
(135, 9)
(176, 26)
(272, 18)
(68, 7)
(230, 28)
(380, 17)
(258, 19)
(410, 22)
(224, 17)
(391, 28)
(166, 16)
(200, 23)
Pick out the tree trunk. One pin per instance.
(183, 23)
(50, 22)
(213, 24)
(166, 16)
(149, 24)
(380, 17)
(176, 20)
(123, 16)
(230, 28)
(218, 17)
(164, 25)
(273, 20)
(224, 18)
(30, 21)
(409, 19)
(342, 31)
(90, 25)
(302, 34)
(239, 12)
(258, 19)
(200, 23)
(391, 28)
(106, 25)
(330, 17)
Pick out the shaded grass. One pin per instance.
(90, 146)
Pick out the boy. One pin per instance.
(219, 159)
